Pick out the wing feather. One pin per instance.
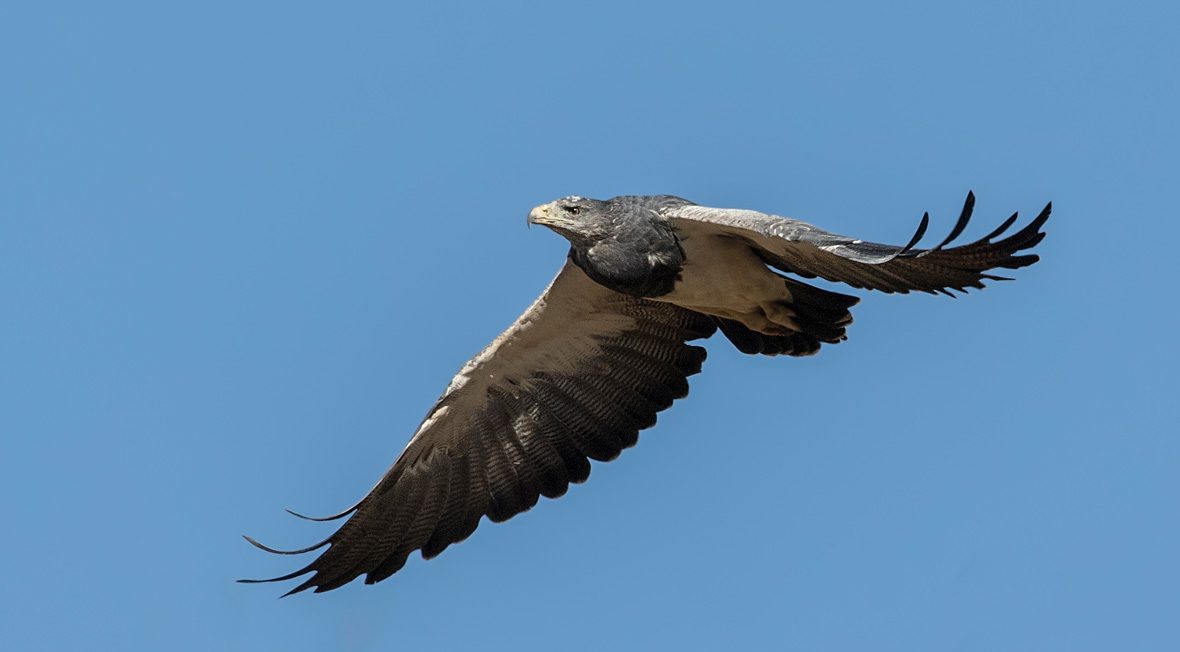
(800, 248)
(449, 526)
(545, 460)
(575, 378)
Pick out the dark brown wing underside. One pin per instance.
(529, 438)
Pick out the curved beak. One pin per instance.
(543, 215)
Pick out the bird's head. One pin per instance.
(623, 243)
(580, 220)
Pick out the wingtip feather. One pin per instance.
(261, 546)
(922, 226)
(322, 519)
(961, 223)
(281, 578)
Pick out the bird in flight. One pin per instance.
(605, 348)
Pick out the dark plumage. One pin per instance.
(605, 348)
(623, 244)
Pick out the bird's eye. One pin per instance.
(572, 210)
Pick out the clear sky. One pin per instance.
(243, 248)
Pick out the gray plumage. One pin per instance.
(605, 348)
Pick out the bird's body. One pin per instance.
(605, 348)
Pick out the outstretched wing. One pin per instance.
(803, 249)
(578, 375)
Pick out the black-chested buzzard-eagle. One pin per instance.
(604, 348)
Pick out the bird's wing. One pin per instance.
(803, 249)
(576, 377)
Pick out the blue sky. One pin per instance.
(243, 248)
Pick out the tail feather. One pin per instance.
(752, 342)
(820, 313)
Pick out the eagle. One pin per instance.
(607, 346)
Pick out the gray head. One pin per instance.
(580, 220)
(624, 243)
